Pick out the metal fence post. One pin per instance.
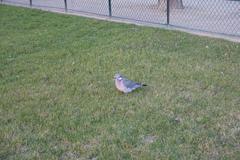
(65, 3)
(30, 2)
(110, 7)
(168, 11)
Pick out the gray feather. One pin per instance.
(131, 84)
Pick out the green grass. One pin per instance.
(58, 100)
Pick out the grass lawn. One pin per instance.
(58, 100)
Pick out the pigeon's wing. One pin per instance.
(131, 84)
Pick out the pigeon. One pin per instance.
(125, 85)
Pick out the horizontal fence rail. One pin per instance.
(216, 16)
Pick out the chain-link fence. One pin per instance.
(218, 16)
